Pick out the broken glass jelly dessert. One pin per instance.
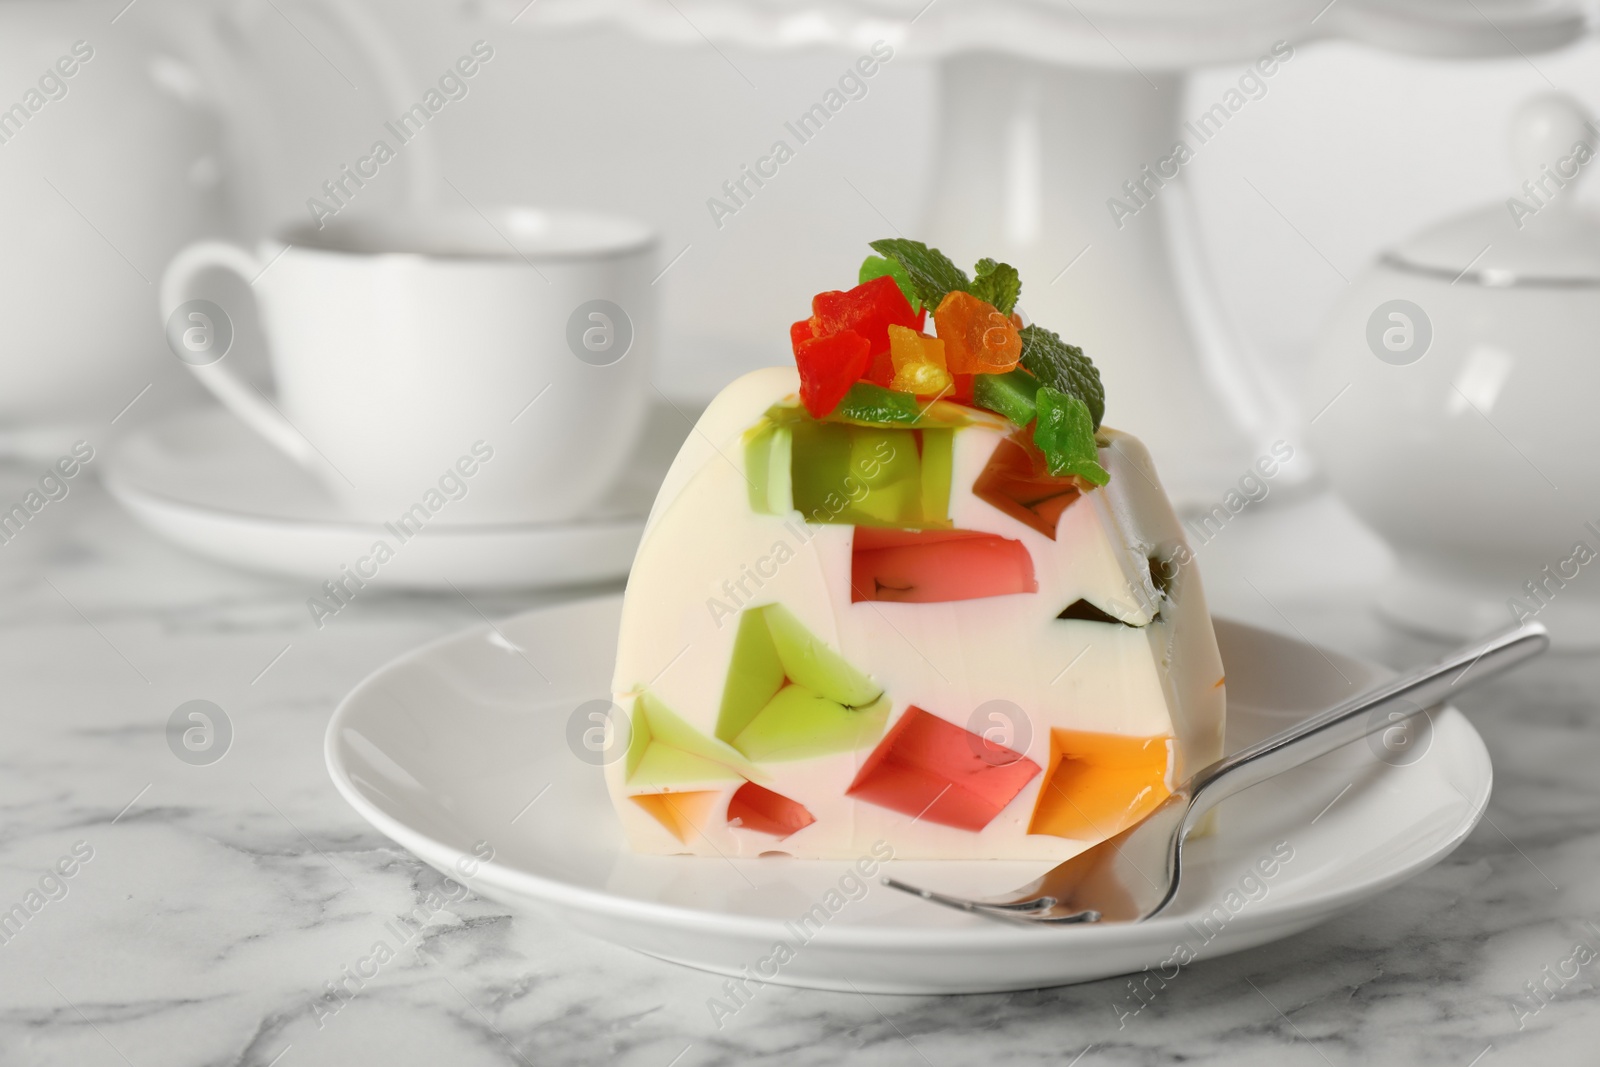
(750, 651)
(953, 623)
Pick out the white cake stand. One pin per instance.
(1048, 107)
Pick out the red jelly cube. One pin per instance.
(828, 367)
(762, 810)
(931, 769)
(933, 566)
(869, 310)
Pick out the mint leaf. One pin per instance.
(997, 284)
(930, 270)
(877, 266)
(1064, 368)
(1064, 432)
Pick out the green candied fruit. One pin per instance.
(1010, 394)
(877, 266)
(876, 405)
(867, 404)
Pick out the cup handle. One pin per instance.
(236, 394)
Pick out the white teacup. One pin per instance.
(411, 348)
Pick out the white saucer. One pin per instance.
(467, 745)
(205, 481)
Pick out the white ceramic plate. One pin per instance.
(463, 746)
(205, 481)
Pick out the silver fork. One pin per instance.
(1132, 876)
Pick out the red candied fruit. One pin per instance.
(828, 367)
(869, 310)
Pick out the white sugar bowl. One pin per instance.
(1456, 400)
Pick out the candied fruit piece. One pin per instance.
(978, 339)
(918, 362)
(1098, 785)
(1010, 394)
(907, 346)
(962, 392)
(1017, 481)
(922, 379)
(881, 370)
(869, 310)
(828, 367)
(879, 266)
(683, 814)
(799, 332)
(869, 404)
(932, 566)
(754, 807)
(934, 770)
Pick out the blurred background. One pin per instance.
(227, 118)
(1356, 145)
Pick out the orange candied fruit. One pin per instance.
(918, 362)
(978, 339)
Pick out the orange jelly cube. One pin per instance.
(977, 338)
(1098, 785)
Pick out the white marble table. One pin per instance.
(217, 901)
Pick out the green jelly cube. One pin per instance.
(808, 661)
(863, 476)
(938, 471)
(767, 464)
(755, 674)
(665, 750)
(800, 724)
(885, 486)
(820, 460)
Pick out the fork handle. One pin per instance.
(1408, 695)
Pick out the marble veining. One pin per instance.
(220, 903)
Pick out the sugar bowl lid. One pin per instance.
(1539, 236)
